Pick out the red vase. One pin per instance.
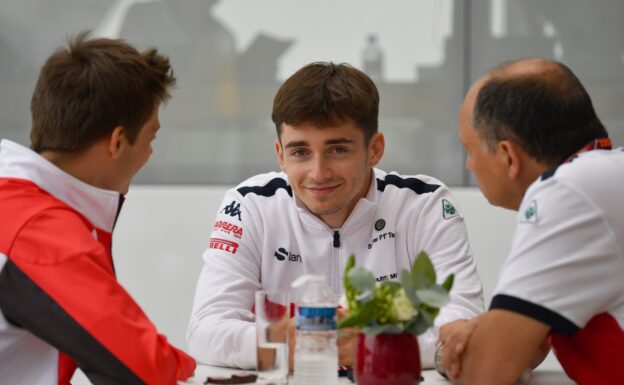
(387, 359)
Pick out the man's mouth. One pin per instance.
(322, 190)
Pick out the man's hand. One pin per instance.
(454, 337)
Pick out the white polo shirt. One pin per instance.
(566, 265)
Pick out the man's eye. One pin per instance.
(298, 153)
(339, 150)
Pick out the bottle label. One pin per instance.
(311, 319)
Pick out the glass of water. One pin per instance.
(272, 321)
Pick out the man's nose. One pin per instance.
(320, 169)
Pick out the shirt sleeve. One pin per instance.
(440, 231)
(563, 267)
(63, 290)
(221, 330)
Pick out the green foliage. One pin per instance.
(393, 307)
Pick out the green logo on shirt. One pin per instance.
(530, 213)
(448, 210)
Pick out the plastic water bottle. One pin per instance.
(316, 353)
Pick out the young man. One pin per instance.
(329, 202)
(94, 116)
(536, 145)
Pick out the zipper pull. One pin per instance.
(336, 238)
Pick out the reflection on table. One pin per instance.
(539, 377)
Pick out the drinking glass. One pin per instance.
(272, 318)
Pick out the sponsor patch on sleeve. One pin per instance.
(233, 209)
(448, 210)
(223, 244)
(228, 228)
(529, 215)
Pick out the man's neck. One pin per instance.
(85, 166)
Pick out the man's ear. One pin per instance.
(376, 147)
(279, 151)
(117, 142)
(511, 156)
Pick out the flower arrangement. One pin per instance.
(393, 307)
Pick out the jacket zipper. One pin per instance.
(337, 274)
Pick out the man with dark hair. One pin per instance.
(95, 114)
(536, 146)
(328, 203)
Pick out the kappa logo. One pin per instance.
(233, 210)
(530, 213)
(223, 244)
(448, 210)
(282, 255)
(228, 228)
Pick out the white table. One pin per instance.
(540, 377)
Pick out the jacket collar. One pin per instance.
(100, 206)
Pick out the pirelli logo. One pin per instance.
(223, 244)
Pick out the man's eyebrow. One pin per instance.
(303, 143)
(340, 141)
(300, 143)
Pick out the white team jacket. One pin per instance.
(264, 237)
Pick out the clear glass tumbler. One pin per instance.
(272, 321)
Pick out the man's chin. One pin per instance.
(324, 210)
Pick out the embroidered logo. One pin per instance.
(228, 228)
(530, 213)
(233, 210)
(380, 224)
(282, 254)
(382, 278)
(223, 244)
(448, 210)
(380, 237)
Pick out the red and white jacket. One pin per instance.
(60, 303)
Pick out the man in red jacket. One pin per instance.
(94, 116)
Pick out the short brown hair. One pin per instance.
(86, 90)
(327, 94)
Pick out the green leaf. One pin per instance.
(423, 273)
(428, 316)
(448, 283)
(361, 279)
(350, 264)
(387, 328)
(419, 326)
(408, 286)
(365, 297)
(350, 292)
(435, 296)
(360, 318)
(391, 286)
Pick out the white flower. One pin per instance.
(403, 307)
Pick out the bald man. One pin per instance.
(536, 146)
